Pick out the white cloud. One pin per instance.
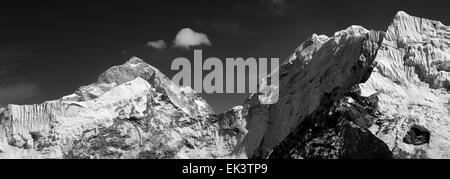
(160, 44)
(187, 38)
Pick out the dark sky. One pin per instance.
(50, 48)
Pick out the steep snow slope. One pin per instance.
(411, 80)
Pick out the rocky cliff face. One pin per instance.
(320, 72)
(356, 94)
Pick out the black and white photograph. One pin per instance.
(252, 80)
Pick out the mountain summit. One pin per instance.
(113, 118)
(357, 94)
(411, 81)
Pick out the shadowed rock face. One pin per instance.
(417, 135)
(337, 130)
(357, 94)
(309, 84)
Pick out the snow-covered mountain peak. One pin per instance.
(353, 30)
(401, 14)
(123, 95)
(411, 81)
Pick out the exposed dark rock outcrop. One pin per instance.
(417, 135)
(337, 130)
